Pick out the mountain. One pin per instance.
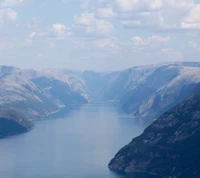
(98, 82)
(146, 92)
(169, 147)
(12, 122)
(62, 86)
(36, 93)
(19, 93)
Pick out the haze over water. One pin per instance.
(79, 144)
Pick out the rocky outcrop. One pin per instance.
(169, 147)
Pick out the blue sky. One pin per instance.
(98, 34)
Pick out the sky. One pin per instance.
(102, 35)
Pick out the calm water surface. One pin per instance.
(79, 144)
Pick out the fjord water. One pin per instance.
(78, 144)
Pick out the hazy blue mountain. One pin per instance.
(169, 147)
(148, 91)
(98, 83)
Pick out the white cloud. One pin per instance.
(36, 36)
(57, 32)
(151, 15)
(107, 43)
(29, 38)
(85, 4)
(134, 51)
(66, 1)
(155, 14)
(137, 5)
(136, 45)
(7, 13)
(194, 45)
(61, 30)
(34, 22)
(105, 12)
(85, 19)
(10, 3)
(192, 21)
(87, 22)
(4, 46)
(154, 41)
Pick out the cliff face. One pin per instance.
(11, 122)
(169, 147)
(146, 92)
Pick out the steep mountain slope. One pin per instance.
(37, 94)
(169, 147)
(11, 122)
(18, 93)
(64, 87)
(148, 91)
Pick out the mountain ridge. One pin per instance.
(168, 147)
(143, 91)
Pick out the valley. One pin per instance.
(96, 114)
(77, 143)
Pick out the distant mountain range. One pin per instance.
(145, 92)
(169, 148)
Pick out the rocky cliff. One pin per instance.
(169, 147)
